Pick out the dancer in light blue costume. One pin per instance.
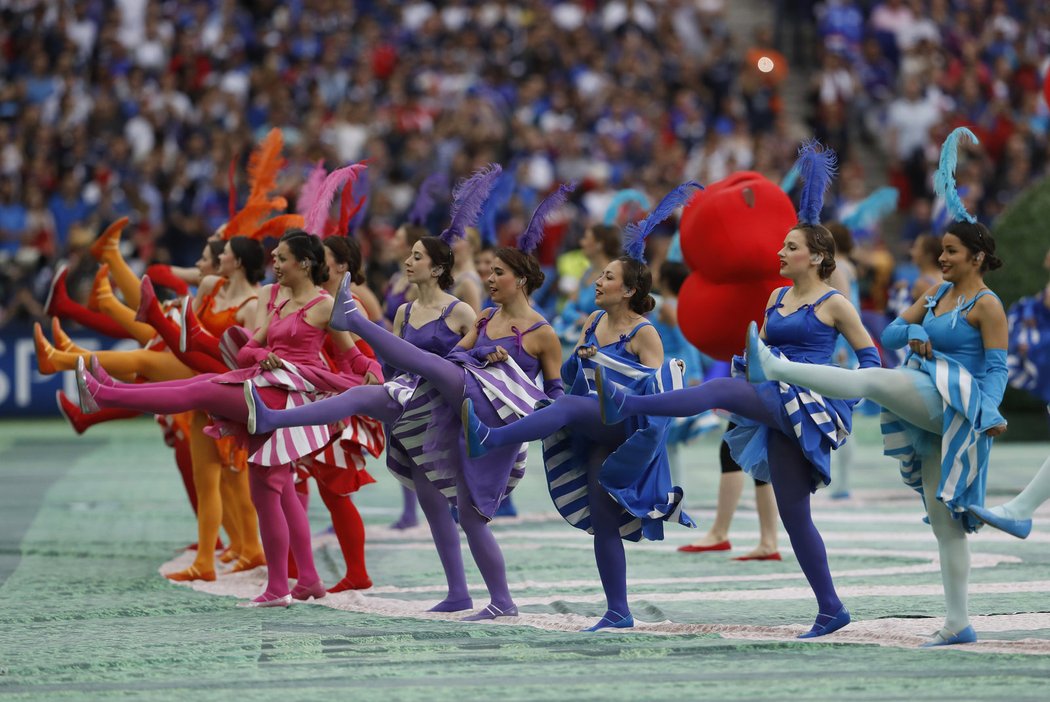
(613, 482)
(941, 409)
(785, 432)
(1029, 367)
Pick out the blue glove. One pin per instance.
(869, 357)
(554, 388)
(899, 333)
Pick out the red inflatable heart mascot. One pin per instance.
(731, 233)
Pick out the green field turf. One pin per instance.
(87, 523)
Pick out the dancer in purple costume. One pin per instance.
(283, 358)
(785, 433)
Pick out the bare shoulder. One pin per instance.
(208, 283)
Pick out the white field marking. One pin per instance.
(898, 633)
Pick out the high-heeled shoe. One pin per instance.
(491, 612)
(245, 564)
(109, 239)
(190, 574)
(447, 605)
(228, 556)
(474, 431)
(56, 291)
(613, 620)
(349, 583)
(99, 373)
(265, 600)
(305, 592)
(344, 308)
(260, 417)
(185, 310)
(963, 636)
(44, 351)
(62, 341)
(86, 386)
(755, 348)
(100, 288)
(610, 398)
(1020, 528)
(827, 623)
(147, 298)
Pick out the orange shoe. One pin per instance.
(245, 564)
(100, 288)
(228, 556)
(110, 239)
(62, 340)
(191, 573)
(44, 351)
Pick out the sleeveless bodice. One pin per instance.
(618, 348)
(801, 336)
(434, 336)
(292, 338)
(217, 322)
(529, 364)
(951, 334)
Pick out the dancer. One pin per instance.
(786, 433)
(600, 243)
(1029, 367)
(941, 409)
(613, 482)
(283, 359)
(502, 382)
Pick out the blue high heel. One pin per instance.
(344, 308)
(258, 413)
(474, 432)
(1020, 528)
(755, 373)
(967, 635)
(827, 623)
(610, 398)
(617, 621)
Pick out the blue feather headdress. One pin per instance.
(816, 166)
(872, 208)
(431, 190)
(533, 234)
(498, 199)
(944, 178)
(625, 197)
(635, 233)
(467, 199)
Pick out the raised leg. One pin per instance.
(578, 413)
(367, 400)
(195, 393)
(735, 395)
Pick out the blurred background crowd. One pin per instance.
(137, 107)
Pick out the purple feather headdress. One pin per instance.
(533, 234)
(635, 233)
(498, 199)
(467, 200)
(816, 165)
(430, 191)
(944, 178)
(316, 218)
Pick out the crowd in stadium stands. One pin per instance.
(137, 108)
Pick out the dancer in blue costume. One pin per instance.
(504, 383)
(785, 433)
(941, 409)
(1029, 367)
(613, 482)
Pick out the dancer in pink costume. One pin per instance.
(283, 359)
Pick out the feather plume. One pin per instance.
(498, 199)
(265, 162)
(347, 209)
(311, 188)
(872, 208)
(790, 179)
(247, 219)
(357, 219)
(944, 178)
(317, 217)
(432, 188)
(622, 198)
(634, 234)
(467, 200)
(276, 227)
(816, 165)
(533, 234)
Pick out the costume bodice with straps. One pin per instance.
(218, 321)
(616, 348)
(291, 337)
(951, 333)
(801, 336)
(528, 363)
(434, 336)
(394, 300)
